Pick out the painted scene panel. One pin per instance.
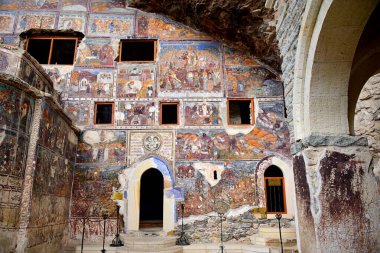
(8, 4)
(74, 5)
(158, 26)
(136, 114)
(76, 22)
(246, 81)
(102, 147)
(7, 21)
(10, 99)
(10, 40)
(110, 6)
(202, 113)
(97, 52)
(79, 111)
(190, 69)
(110, 25)
(39, 5)
(135, 80)
(40, 20)
(29, 74)
(59, 75)
(91, 83)
(26, 113)
(237, 57)
(8, 151)
(22, 145)
(270, 115)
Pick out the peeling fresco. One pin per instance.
(202, 113)
(190, 68)
(95, 52)
(109, 6)
(135, 80)
(29, 74)
(91, 83)
(8, 5)
(76, 22)
(7, 21)
(60, 76)
(271, 116)
(164, 28)
(10, 40)
(9, 106)
(103, 146)
(79, 111)
(41, 20)
(136, 113)
(41, 4)
(74, 5)
(106, 25)
(236, 57)
(246, 81)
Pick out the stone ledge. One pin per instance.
(319, 140)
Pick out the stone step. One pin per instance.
(149, 242)
(229, 248)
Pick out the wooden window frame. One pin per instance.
(137, 40)
(52, 38)
(169, 103)
(252, 116)
(283, 194)
(113, 113)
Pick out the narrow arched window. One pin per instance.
(274, 190)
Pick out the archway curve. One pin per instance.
(133, 216)
(328, 38)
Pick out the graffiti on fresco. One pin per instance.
(217, 144)
(10, 99)
(8, 145)
(92, 191)
(236, 186)
(164, 28)
(109, 25)
(7, 21)
(40, 20)
(202, 113)
(136, 113)
(91, 83)
(109, 6)
(79, 111)
(246, 81)
(189, 69)
(96, 52)
(236, 57)
(41, 4)
(103, 146)
(135, 80)
(142, 144)
(75, 22)
(26, 113)
(74, 5)
(29, 74)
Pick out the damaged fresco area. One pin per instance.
(102, 146)
(41, 20)
(39, 5)
(136, 114)
(74, 5)
(79, 112)
(91, 83)
(162, 27)
(190, 69)
(76, 22)
(202, 113)
(93, 188)
(247, 81)
(135, 80)
(219, 145)
(110, 25)
(236, 57)
(7, 20)
(60, 76)
(109, 6)
(99, 52)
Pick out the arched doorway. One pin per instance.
(151, 199)
(274, 190)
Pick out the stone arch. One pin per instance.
(136, 171)
(329, 36)
(289, 184)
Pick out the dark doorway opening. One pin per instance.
(151, 199)
(274, 190)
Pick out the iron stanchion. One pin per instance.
(278, 217)
(105, 217)
(84, 224)
(221, 250)
(116, 242)
(182, 240)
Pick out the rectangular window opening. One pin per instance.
(137, 50)
(169, 113)
(103, 113)
(52, 50)
(240, 112)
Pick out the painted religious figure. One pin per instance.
(135, 80)
(136, 113)
(96, 52)
(202, 113)
(91, 83)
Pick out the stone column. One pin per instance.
(337, 195)
(26, 198)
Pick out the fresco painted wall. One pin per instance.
(189, 68)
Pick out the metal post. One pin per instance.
(116, 242)
(221, 234)
(278, 217)
(105, 216)
(84, 224)
(182, 240)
